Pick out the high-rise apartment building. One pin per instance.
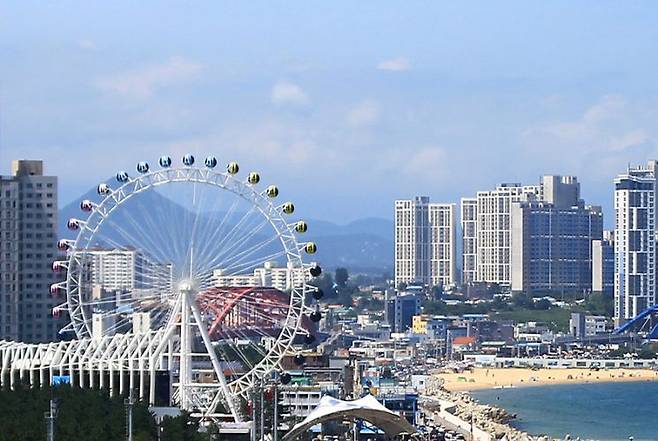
(443, 261)
(552, 239)
(412, 241)
(493, 231)
(129, 270)
(635, 241)
(28, 246)
(424, 242)
(469, 239)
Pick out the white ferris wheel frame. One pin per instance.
(225, 181)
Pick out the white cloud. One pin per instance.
(287, 93)
(87, 44)
(426, 163)
(394, 64)
(363, 114)
(143, 82)
(610, 132)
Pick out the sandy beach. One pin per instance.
(482, 378)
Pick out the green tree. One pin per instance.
(182, 428)
(437, 291)
(342, 277)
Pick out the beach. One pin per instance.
(483, 378)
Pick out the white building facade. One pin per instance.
(635, 256)
(494, 231)
(270, 275)
(425, 247)
(469, 239)
(129, 270)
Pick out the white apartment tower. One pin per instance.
(129, 270)
(28, 246)
(424, 242)
(469, 239)
(443, 268)
(635, 255)
(493, 235)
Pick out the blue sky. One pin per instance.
(345, 105)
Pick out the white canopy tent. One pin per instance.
(366, 408)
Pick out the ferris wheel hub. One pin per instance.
(185, 286)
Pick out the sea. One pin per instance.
(601, 411)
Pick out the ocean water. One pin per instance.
(603, 411)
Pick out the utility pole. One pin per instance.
(253, 416)
(50, 421)
(129, 416)
(275, 417)
(262, 412)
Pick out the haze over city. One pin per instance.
(371, 101)
(328, 221)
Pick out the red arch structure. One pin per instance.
(240, 307)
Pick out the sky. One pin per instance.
(346, 106)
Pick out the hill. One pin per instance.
(362, 245)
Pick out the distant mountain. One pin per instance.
(361, 245)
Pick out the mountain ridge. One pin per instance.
(362, 245)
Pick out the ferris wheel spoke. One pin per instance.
(156, 224)
(132, 241)
(144, 244)
(237, 245)
(244, 254)
(241, 267)
(238, 268)
(149, 228)
(208, 266)
(209, 246)
(236, 348)
(197, 203)
(236, 229)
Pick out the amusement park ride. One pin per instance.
(168, 330)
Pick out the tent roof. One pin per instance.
(366, 408)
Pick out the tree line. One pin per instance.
(85, 415)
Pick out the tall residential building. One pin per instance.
(635, 231)
(129, 270)
(552, 239)
(28, 246)
(424, 242)
(603, 264)
(469, 239)
(443, 259)
(412, 241)
(493, 231)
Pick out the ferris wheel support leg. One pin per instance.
(185, 379)
(122, 381)
(215, 362)
(111, 380)
(152, 386)
(131, 373)
(142, 382)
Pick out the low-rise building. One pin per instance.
(582, 325)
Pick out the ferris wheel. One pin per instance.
(199, 234)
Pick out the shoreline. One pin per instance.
(495, 422)
(502, 378)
